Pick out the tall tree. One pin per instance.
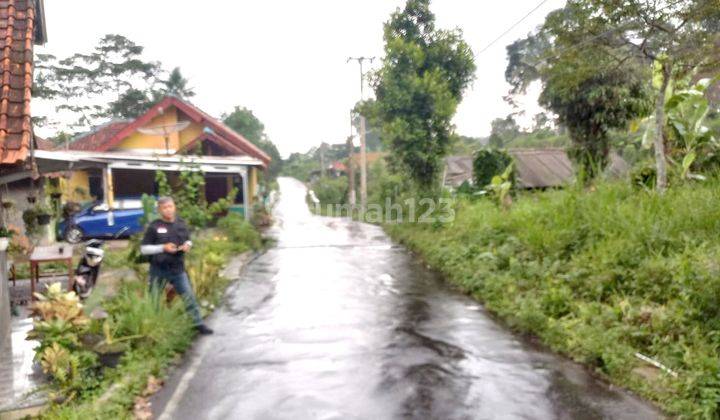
(424, 74)
(503, 130)
(246, 123)
(590, 90)
(676, 38)
(83, 85)
(679, 37)
(177, 85)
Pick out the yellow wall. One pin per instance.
(138, 140)
(190, 133)
(78, 179)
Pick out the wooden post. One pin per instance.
(109, 193)
(246, 200)
(252, 188)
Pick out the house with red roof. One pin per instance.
(118, 159)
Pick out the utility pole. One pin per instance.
(351, 172)
(363, 151)
(322, 160)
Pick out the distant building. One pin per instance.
(333, 170)
(534, 168)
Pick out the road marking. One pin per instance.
(182, 386)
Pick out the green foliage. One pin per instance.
(222, 206)
(160, 331)
(489, 163)
(240, 233)
(189, 199)
(59, 324)
(114, 68)
(590, 54)
(331, 190)
(500, 186)
(300, 165)
(418, 89)
(151, 331)
(687, 113)
(503, 131)
(246, 123)
(590, 92)
(162, 183)
(599, 276)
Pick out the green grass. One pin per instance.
(599, 276)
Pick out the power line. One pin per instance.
(512, 27)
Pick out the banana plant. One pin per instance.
(687, 111)
(500, 185)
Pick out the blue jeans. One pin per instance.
(181, 283)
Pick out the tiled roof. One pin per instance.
(43, 144)
(17, 19)
(96, 138)
(107, 137)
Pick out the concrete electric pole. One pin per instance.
(363, 151)
(351, 172)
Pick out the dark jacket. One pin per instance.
(160, 232)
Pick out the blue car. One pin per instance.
(96, 220)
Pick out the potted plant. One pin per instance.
(43, 214)
(5, 235)
(110, 348)
(8, 204)
(31, 199)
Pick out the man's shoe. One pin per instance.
(203, 329)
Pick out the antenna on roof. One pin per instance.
(165, 131)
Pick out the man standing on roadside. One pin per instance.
(166, 241)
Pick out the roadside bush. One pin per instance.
(331, 190)
(162, 329)
(599, 276)
(487, 164)
(239, 232)
(156, 331)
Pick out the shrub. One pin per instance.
(331, 190)
(489, 163)
(239, 232)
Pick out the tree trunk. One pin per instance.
(659, 142)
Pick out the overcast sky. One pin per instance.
(286, 59)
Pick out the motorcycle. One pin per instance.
(86, 273)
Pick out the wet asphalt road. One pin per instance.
(336, 322)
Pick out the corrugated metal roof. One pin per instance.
(534, 168)
(540, 168)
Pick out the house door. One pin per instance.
(216, 187)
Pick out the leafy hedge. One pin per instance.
(600, 276)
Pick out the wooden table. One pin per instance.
(60, 252)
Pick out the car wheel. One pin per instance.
(73, 234)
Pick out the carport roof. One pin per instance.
(55, 161)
